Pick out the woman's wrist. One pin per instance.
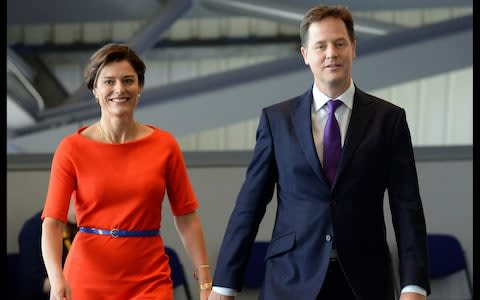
(206, 286)
(200, 268)
(202, 275)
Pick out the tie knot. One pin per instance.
(333, 105)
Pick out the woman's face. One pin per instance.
(117, 89)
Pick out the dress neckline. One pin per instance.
(148, 136)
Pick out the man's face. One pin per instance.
(329, 54)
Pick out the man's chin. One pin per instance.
(337, 81)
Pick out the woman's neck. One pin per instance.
(117, 132)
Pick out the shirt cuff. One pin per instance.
(231, 292)
(224, 291)
(414, 289)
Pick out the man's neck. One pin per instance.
(334, 90)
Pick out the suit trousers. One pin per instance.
(335, 286)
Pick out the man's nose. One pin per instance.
(331, 51)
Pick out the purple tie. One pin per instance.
(332, 141)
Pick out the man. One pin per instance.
(331, 162)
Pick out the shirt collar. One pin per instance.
(320, 99)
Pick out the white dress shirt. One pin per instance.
(320, 115)
(319, 119)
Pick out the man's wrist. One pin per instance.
(414, 289)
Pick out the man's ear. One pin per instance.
(354, 46)
(304, 54)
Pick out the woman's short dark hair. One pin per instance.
(321, 12)
(112, 53)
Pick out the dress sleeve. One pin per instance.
(179, 189)
(61, 184)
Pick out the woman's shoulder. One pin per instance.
(164, 139)
(73, 140)
(162, 133)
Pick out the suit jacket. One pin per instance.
(377, 155)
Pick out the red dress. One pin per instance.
(118, 186)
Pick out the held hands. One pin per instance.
(215, 296)
(412, 296)
(202, 275)
(205, 289)
(205, 294)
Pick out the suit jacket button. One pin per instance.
(328, 237)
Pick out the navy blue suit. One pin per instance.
(377, 155)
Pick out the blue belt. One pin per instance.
(120, 233)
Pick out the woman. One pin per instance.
(120, 170)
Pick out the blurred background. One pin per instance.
(211, 66)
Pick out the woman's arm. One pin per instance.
(52, 250)
(190, 230)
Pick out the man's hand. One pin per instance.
(215, 296)
(412, 296)
(204, 294)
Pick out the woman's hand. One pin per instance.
(60, 290)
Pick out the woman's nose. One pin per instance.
(119, 87)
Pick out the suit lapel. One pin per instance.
(362, 115)
(302, 121)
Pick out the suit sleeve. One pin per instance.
(249, 210)
(406, 208)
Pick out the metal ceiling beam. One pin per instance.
(292, 14)
(20, 88)
(371, 5)
(144, 39)
(24, 12)
(238, 95)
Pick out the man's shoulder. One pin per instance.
(287, 104)
(376, 100)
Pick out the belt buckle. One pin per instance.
(114, 233)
